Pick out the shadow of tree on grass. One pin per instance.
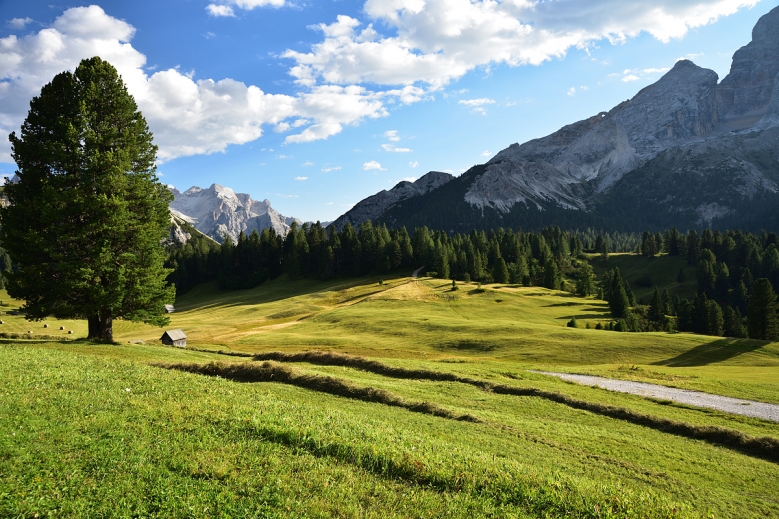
(713, 352)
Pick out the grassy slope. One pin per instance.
(72, 437)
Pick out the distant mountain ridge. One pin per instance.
(685, 151)
(218, 211)
(375, 205)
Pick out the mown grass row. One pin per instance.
(766, 447)
(273, 372)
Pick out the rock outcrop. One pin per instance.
(749, 85)
(771, 117)
(375, 205)
(219, 211)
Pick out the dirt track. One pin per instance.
(681, 396)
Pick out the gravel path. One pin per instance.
(682, 396)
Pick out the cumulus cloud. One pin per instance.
(220, 10)
(226, 8)
(372, 165)
(485, 153)
(436, 41)
(630, 77)
(571, 91)
(19, 23)
(407, 179)
(301, 178)
(392, 149)
(307, 164)
(392, 135)
(188, 116)
(413, 164)
(332, 168)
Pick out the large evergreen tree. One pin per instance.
(87, 216)
(762, 321)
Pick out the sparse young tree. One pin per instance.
(86, 219)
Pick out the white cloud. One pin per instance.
(476, 102)
(485, 153)
(19, 23)
(187, 116)
(571, 91)
(226, 9)
(301, 178)
(413, 164)
(436, 41)
(286, 196)
(307, 164)
(407, 179)
(220, 10)
(282, 157)
(447, 171)
(656, 70)
(630, 77)
(333, 168)
(393, 149)
(392, 135)
(372, 165)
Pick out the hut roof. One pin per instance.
(169, 309)
(174, 335)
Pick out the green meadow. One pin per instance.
(448, 421)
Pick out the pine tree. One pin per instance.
(656, 307)
(733, 325)
(618, 302)
(584, 285)
(681, 277)
(87, 217)
(500, 273)
(762, 321)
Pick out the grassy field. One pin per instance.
(111, 431)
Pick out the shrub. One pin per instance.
(572, 323)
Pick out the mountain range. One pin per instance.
(686, 151)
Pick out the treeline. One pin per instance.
(737, 273)
(737, 277)
(500, 255)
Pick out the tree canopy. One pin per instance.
(87, 215)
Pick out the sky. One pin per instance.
(316, 105)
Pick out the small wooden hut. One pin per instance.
(174, 338)
(169, 309)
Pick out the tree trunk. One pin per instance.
(101, 328)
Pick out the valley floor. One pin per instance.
(361, 398)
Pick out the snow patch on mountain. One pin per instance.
(219, 211)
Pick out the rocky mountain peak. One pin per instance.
(219, 211)
(373, 206)
(746, 91)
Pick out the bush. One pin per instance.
(572, 323)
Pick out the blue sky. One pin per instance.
(316, 105)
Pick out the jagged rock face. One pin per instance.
(771, 117)
(375, 205)
(530, 182)
(749, 84)
(680, 106)
(218, 211)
